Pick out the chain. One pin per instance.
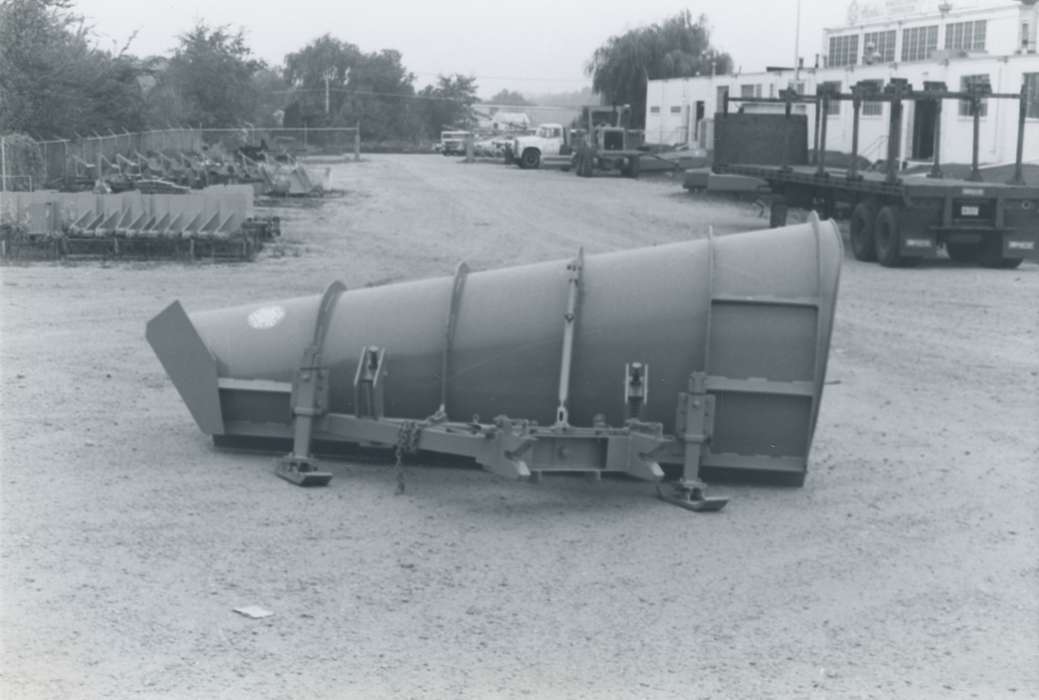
(407, 443)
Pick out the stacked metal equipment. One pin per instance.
(217, 222)
(708, 355)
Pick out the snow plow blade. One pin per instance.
(703, 359)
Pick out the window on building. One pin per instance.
(1032, 95)
(676, 109)
(871, 108)
(654, 110)
(772, 90)
(844, 50)
(834, 107)
(969, 36)
(879, 47)
(919, 43)
(965, 104)
(750, 90)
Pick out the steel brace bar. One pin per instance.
(310, 399)
(575, 269)
(458, 286)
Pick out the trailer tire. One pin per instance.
(863, 245)
(963, 252)
(531, 159)
(887, 233)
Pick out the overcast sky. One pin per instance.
(532, 46)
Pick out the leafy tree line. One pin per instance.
(55, 81)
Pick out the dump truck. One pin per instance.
(608, 144)
(695, 360)
(896, 219)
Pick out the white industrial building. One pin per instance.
(947, 44)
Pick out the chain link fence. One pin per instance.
(29, 164)
(297, 141)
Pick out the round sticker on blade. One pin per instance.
(266, 317)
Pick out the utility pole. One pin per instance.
(3, 175)
(797, 44)
(328, 76)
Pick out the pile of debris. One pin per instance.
(217, 222)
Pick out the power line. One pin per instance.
(374, 93)
(504, 77)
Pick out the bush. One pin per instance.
(23, 160)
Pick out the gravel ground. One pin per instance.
(908, 565)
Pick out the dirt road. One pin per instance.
(908, 566)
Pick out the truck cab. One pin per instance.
(453, 142)
(548, 140)
(609, 143)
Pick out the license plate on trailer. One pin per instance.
(970, 211)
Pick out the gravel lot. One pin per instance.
(908, 565)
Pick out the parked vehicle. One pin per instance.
(549, 142)
(452, 143)
(609, 144)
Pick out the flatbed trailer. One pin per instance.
(897, 219)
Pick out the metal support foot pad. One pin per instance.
(690, 496)
(301, 471)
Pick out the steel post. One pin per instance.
(357, 142)
(787, 112)
(1022, 115)
(975, 171)
(936, 168)
(856, 107)
(894, 141)
(815, 135)
(820, 153)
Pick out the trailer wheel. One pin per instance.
(963, 252)
(531, 159)
(888, 235)
(990, 254)
(863, 245)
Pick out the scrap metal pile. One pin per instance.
(178, 172)
(217, 222)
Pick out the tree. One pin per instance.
(321, 67)
(374, 89)
(55, 81)
(449, 103)
(272, 95)
(211, 74)
(676, 48)
(506, 97)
